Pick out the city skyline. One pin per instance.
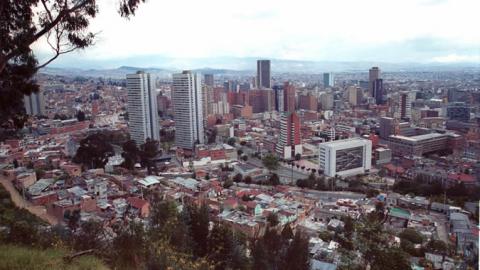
(239, 31)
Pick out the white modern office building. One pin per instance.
(142, 108)
(34, 103)
(345, 157)
(188, 109)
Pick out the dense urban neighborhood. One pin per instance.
(226, 170)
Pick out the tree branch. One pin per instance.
(47, 10)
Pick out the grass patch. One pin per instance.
(14, 257)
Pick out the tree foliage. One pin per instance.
(130, 154)
(94, 151)
(270, 162)
(62, 23)
(148, 151)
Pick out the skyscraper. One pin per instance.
(355, 95)
(34, 103)
(278, 97)
(209, 80)
(373, 74)
(328, 80)
(405, 105)
(142, 107)
(288, 97)
(289, 143)
(188, 109)
(263, 74)
(377, 91)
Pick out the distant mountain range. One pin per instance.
(163, 67)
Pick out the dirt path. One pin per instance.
(19, 201)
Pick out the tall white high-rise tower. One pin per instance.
(187, 101)
(142, 108)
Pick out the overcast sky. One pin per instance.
(333, 30)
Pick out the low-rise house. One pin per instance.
(25, 180)
(398, 217)
(40, 186)
(336, 225)
(149, 182)
(140, 206)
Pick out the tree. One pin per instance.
(273, 219)
(248, 179)
(274, 179)
(411, 235)
(80, 116)
(349, 226)
(231, 141)
(260, 256)
(161, 213)
(228, 183)
(245, 158)
(130, 154)
(94, 151)
(297, 256)
(63, 23)
(237, 178)
(270, 162)
(220, 246)
(287, 232)
(90, 236)
(148, 151)
(130, 245)
(274, 248)
(298, 156)
(200, 225)
(73, 218)
(437, 246)
(390, 258)
(239, 152)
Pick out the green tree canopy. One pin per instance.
(270, 162)
(94, 151)
(63, 23)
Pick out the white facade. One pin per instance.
(187, 101)
(345, 157)
(142, 108)
(34, 103)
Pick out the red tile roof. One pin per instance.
(136, 202)
(461, 177)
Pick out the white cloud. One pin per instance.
(300, 29)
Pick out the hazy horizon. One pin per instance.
(420, 31)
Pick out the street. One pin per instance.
(20, 202)
(285, 174)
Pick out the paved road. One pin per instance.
(330, 196)
(20, 202)
(285, 174)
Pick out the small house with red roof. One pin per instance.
(457, 178)
(139, 205)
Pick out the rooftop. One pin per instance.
(419, 138)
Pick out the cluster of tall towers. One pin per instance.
(189, 103)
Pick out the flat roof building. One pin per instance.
(345, 157)
(418, 145)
